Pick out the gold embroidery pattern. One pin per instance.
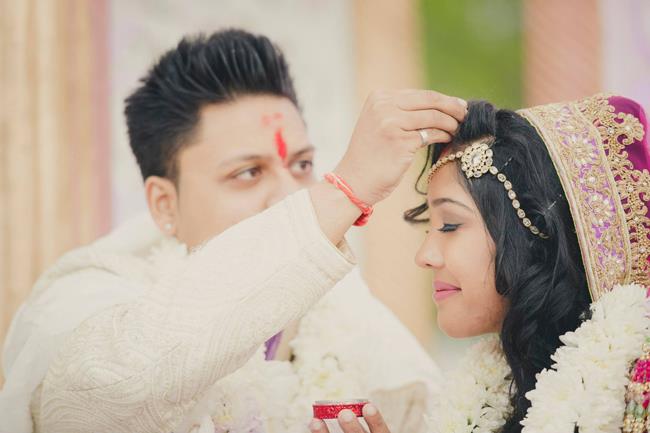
(608, 197)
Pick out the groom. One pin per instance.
(111, 338)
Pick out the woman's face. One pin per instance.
(460, 251)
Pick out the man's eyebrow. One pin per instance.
(242, 158)
(257, 156)
(444, 200)
(302, 151)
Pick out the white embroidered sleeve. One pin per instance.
(140, 366)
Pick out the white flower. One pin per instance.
(585, 386)
(475, 397)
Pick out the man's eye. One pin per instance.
(448, 227)
(303, 166)
(248, 174)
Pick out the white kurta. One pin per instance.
(115, 339)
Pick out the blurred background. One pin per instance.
(66, 172)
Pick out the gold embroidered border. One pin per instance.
(607, 196)
(619, 131)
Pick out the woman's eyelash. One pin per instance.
(448, 227)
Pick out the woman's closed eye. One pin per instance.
(448, 227)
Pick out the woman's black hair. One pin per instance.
(543, 280)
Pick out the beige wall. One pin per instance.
(53, 138)
(562, 50)
(388, 55)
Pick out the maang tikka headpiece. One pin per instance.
(476, 160)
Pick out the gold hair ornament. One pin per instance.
(476, 160)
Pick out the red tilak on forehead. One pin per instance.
(281, 145)
(268, 118)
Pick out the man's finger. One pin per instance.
(414, 120)
(428, 99)
(318, 426)
(374, 419)
(349, 422)
(425, 137)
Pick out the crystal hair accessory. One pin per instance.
(476, 160)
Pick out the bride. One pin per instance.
(538, 239)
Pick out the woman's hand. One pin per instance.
(349, 423)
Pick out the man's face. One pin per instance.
(244, 157)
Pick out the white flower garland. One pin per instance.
(475, 397)
(273, 396)
(585, 386)
(276, 396)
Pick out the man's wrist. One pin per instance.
(334, 211)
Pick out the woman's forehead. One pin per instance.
(446, 181)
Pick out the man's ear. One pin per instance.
(162, 199)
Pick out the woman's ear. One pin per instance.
(162, 199)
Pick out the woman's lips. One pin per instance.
(443, 290)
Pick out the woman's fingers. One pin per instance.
(428, 99)
(374, 419)
(349, 422)
(318, 426)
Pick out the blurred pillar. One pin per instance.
(388, 56)
(54, 143)
(626, 48)
(562, 50)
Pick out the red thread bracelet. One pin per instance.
(366, 209)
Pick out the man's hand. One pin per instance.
(392, 127)
(349, 423)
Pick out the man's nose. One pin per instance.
(285, 184)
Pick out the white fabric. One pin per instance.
(117, 332)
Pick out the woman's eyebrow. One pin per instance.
(444, 200)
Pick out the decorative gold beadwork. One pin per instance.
(476, 160)
(607, 196)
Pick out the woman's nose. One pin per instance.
(429, 255)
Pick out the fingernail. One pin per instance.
(462, 102)
(369, 410)
(315, 425)
(346, 415)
